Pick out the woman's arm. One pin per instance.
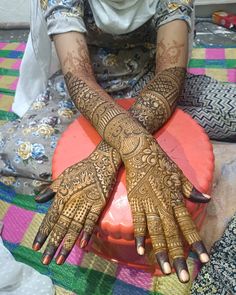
(75, 59)
(172, 46)
(157, 101)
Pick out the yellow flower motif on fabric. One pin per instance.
(27, 131)
(10, 130)
(66, 113)
(110, 60)
(173, 6)
(8, 180)
(38, 105)
(25, 150)
(45, 130)
(188, 1)
(44, 4)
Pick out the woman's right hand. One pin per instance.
(156, 190)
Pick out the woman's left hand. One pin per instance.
(81, 193)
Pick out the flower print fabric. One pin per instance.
(218, 277)
(27, 145)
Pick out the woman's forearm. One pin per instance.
(111, 121)
(156, 102)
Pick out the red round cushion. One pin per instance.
(182, 139)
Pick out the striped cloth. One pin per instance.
(218, 63)
(86, 273)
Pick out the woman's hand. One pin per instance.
(156, 187)
(81, 192)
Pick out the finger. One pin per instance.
(158, 241)
(69, 241)
(48, 193)
(157, 236)
(73, 231)
(191, 193)
(174, 244)
(190, 232)
(181, 268)
(51, 217)
(60, 229)
(48, 223)
(56, 237)
(85, 239)
(45, 196)
(171, 231)
(139, 223)
(89, 225)
(201, 250)
(199, 197)
(163, 260)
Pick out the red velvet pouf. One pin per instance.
(182, 139)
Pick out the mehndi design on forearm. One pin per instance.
(168, 54)
(157, 101)
(148, 169)
(155, 184)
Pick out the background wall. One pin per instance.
(17, 12)
(14, 11)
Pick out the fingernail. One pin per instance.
(204, 258)
(36, 246)
(83, 243)
(140, 250)
(206, 196)
(166, 268)
(184, 276)
(46, 259)
(60, 260)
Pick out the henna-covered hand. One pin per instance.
(156, 191)
(144, 162)
(154, 106)
(80, 196)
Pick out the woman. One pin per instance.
(108, 48)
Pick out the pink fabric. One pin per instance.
(197, 71)
(215, 53)
(2, 45)
(133, 276)
(16, 223)
(14, 84)
(76, 256)
(21, 47)
(17, 64)
(232, 75)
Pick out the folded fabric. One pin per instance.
(18, 278)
